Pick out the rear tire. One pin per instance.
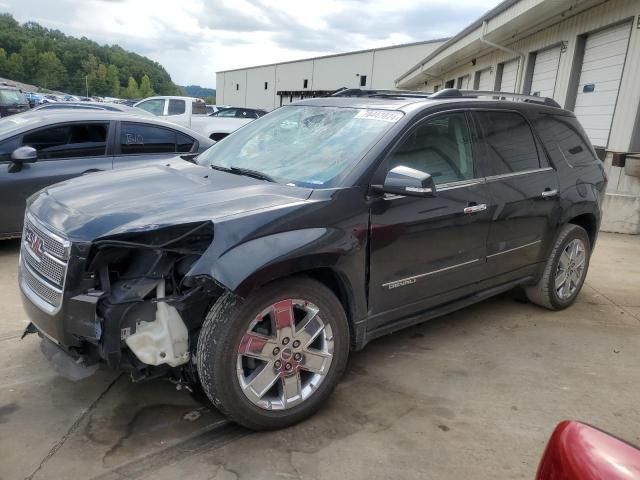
(236, 360)
(565, 270)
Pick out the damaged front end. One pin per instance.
(138, 309)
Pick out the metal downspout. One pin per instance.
(505, 49)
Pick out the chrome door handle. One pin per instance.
(475, 208)
(549, 193)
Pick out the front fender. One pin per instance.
(261, 260)
(247, 266)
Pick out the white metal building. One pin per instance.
(270, 86)
(583, 53)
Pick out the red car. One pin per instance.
(580, 452)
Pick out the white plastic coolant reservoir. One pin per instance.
(165, 340)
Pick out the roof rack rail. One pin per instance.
(443, 94)
(357, 92)
(456, 93)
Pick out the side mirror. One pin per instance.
(22, 155)
(408, 181)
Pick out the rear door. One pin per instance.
(524, 188)
(426, 251)
(141, 143)
(65, 151)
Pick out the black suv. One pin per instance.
(12, 100)
(252, 273)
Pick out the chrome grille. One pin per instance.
(53, 244)
(49, 267)
(43, 256)
(44, 290)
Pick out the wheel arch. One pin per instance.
(589, 222)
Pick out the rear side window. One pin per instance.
(176, 107)
(155, 106)
(138, 139)
(198, 108)
(440, 147)
(69, 141)
(184, 143)
(509, 143)
(568, 137)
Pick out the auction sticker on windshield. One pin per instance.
(384, 115)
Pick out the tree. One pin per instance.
(106, 68)
(113, 80)
(15, 67)
(29, 54)
(145, 87)
(50, 71)
(132, 89)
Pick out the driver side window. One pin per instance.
(440, 147)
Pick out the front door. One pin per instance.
(425, 251)
(64, 151)
(524, 188)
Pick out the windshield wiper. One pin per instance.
(244, 171)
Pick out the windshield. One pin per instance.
(10, 97)
(303, 145)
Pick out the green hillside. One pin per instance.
(52, 60)
(198, 91)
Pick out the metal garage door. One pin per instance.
(509, 76)
(604, 56)
(485, 80)
(545, 72)
(463, 82)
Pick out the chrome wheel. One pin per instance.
(571, 268)
(284, 355)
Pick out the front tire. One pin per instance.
(271, 360)
(565, 270)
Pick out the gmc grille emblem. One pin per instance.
(36, 244)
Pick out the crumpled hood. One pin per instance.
(145, 198)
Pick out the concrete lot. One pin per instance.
(472, 395)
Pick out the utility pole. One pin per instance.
(86, 82)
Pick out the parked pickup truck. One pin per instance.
(192, 113)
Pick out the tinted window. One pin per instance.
(509, 143)
(228, 112)
(568, 137)
(155, 106)
(7, 147)
(67, 141)
(184, 143)
(242, 113)
(142, 139)
(440, 147)
(176, 107)
(198, 108)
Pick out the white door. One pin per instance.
(545, 72)
(463, 82)
(509, 76)
(604, 57)
(485, 81)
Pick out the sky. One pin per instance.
(193, 39)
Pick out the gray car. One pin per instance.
(38, 149)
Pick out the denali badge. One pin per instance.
(35, 243)
(400, 283)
